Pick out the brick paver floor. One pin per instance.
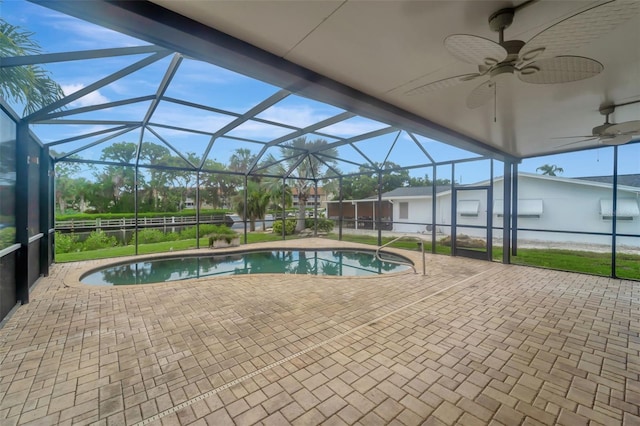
(471, 343)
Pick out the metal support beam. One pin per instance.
(97, 85)
(22, 211)
(135, 204)
(244, 213)
(506, 213)
(340, 209)
(614, 221)
(315, 208)
(46, 175)
(284, 203)
(454, 212)
(434, 198)
(379, 205)
(514, 209)
(267, 103)
(197, 210)
(47, 58)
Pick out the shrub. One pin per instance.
(324, 225)
(66, 243)
(149, 236)
(290, 226)
(98, 240)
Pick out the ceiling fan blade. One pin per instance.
(577, 142)
(481, 94)
(574, 137)
(625, 128)
(616, 140)
(579, 29)
(441, 84)
(561, 69)
(475, 50)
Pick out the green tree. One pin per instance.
(257, 203)
(115, 185)
(30, 85)
(366, 185)
(64, 182)
(309, 168)
(240, 160)
(550, 169)
(159, 179)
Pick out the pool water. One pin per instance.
(313, 262)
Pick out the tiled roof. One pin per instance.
(627, 180)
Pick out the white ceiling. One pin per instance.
(385, 48)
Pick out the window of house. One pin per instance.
(468, 207)
(404, 210)
(627, 209)
(531, 208)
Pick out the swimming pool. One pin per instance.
(314, 262)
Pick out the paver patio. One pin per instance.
(470, 343)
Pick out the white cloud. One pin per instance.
(85, 35)
(93, 98)
(299, 116)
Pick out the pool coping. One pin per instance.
(84, 267)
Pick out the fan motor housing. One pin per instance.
(599, 130)
(501, 19)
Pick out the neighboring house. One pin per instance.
(547, 203)
(319, 199)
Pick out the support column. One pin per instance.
(315, 208)
(506, 213)
(198, 209)
(45, 211)
(22, 212)
(454, 213)
(340, 211)
(246, 198)
(614, 221)
(284, 214)
(135, 205)
(377, 220)
(514, 209)
(434, 197)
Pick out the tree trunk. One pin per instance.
(62, 204)
(300, 224)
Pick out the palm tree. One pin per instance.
(240, 160)
(257, 204)
(550, 169)
(308, 169)
(27, 84)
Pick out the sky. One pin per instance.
(210, 85)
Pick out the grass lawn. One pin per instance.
(628, 266)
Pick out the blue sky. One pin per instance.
(210, 85)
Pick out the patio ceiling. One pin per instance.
(365, 56)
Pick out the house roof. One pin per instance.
(626, 180)
(629, 182)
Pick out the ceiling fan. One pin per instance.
(538, 61)
(609, 133)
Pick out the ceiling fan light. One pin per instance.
(502, 73)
